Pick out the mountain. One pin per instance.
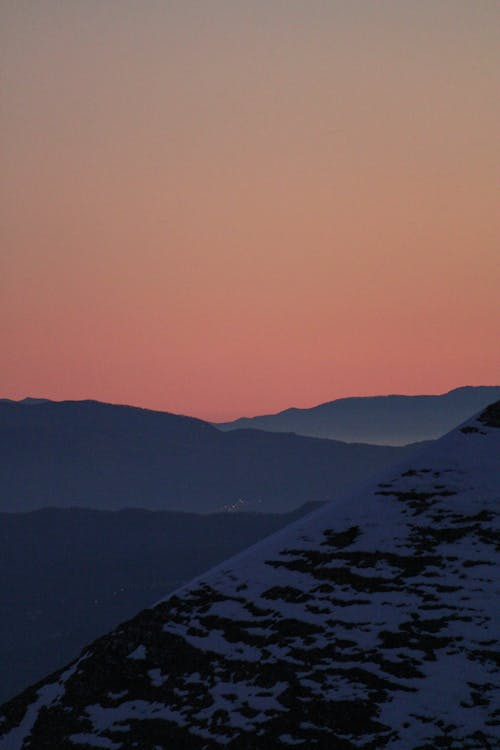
(90, 454)
(68, 575)
(371, 623)
(28, 401)
(383, 420)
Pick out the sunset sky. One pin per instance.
(228, 207)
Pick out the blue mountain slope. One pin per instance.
(371, 623)
(67, 575)
(89, 454)
(384, 420)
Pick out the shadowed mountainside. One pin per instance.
(90, 454)
(68, 575)
(370, 623)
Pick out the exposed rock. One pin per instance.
(369, 624)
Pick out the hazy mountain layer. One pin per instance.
(371, 623)
(89, 454)
(384, 420)
(68, 575)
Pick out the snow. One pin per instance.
(379, 607)
(104, 718)
(156, 677)
(93, 740)
(139, 653)
(46, 696)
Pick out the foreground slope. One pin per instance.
(368, 624)
(70, 574)
(384, 420)
(90, 454)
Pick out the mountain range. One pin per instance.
(103, 456)
(382, 420)
(370, 623)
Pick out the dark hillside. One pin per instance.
(89, 454)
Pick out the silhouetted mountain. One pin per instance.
(371, 623)
(85, 453)
(382, 420)
(28, 401)
(68, 575)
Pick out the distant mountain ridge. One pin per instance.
(96, 455)
(378, 420)
(371, 623)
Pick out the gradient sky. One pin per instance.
(229, 207)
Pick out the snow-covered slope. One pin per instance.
(369, 624)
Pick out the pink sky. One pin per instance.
(231, 207)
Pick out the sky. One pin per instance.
(228, 207)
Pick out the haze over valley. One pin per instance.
(384, 420)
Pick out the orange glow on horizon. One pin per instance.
(228, 209)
